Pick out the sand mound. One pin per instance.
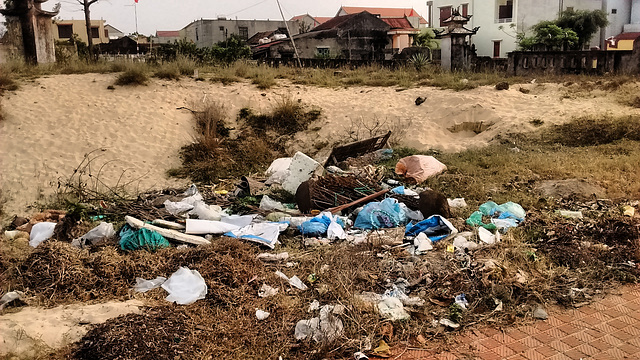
(51, 123)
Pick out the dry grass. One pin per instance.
(287, 116)
(132, 77)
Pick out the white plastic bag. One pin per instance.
(104, 230)
(177, 208)
(262, 233)
(41, 232)
(261, 315)
(268, 203)
(185, 286)
(206, 212)
(143, 285)
(422, 243)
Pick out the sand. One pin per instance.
(136, 132)
(34, 329)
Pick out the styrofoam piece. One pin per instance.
(301, 169)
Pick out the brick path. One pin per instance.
(606, 329)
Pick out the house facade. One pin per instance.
(499, 20)
(361, 36)
(416, 21)
(166, 37)
(64, 30)
(208, 32)
(307, 22)
(112, 32)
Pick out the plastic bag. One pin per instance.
(131, 239)
(412, 215)
(104, 230)
(206, 212)
(435, 227)
(177, 208)
(262, 233)
(419, 167)
(476, 220)
(41, 232)
(324, 224)
(384, 214)
(268, 203)
(143, 285)
(185, 286)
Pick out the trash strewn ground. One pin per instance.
(303, 261)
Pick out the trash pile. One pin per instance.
(333, 242)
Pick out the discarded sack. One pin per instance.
(435, 227)
(419, 167)
(185, 286)
(131, 239)
(378, 215)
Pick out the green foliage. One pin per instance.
(549, 36)
(573, 30)
(426, 38)
(226, 52)
(584, 23)
(286, 117)
(419, 61)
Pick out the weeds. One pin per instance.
(168, 72)
(591, 130)
(132, 77)
(7, 82)
(286, 117)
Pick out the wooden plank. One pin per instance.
(170, 234)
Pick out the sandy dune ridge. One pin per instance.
(52, 122)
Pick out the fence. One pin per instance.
(573, 62)
(333, 63)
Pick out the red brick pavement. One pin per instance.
(606, 329)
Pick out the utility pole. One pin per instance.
(290, 36)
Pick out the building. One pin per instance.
(112, 32)
(360, 36)
(208, 32)
(307, 22)
(417, 21)
(499, 20)
(64, 30)
(166, 37)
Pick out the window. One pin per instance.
(106, 33)
(323, 51)
(504, 11)
(221, 28)
(445, 13)
(65, 31)
(95, 32)
(465, 10)
(283, 30)
(614, 11)
(197, 37)
(243, 31)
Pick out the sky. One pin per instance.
(156, 15)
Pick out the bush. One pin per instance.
(286, 117)
(7, 82)
(133, 76)
(168, 72)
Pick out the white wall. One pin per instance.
(526, 14)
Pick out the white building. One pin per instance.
(499, 20)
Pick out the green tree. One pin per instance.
(426, 38)
(547, 35)
(584, 23)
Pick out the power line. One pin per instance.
(247, 8)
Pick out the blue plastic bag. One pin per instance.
(435, 227)
(317, 226)
(384, 214)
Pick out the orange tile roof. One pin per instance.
(385, 12)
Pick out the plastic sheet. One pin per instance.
(262, 233)
(435, 227)
(143, 285)
(185, 286)
(131, 239)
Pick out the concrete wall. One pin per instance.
(80, 29)
(45, 45)
(205, 33)
(11, 47)
(574, 62)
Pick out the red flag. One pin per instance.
(135, 1)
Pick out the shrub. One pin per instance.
(286, 117)
(168, 73)
(590, 130)
(7, 82)
(133, 76)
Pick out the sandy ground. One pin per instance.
(136, 132)
(34, 329)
